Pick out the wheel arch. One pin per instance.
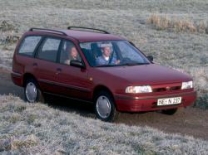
(39, 97)
(28, 76)
(100, 88)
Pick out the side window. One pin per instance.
(68, 53)
(49, 49)
(29, 44)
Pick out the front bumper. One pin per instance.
(149, 103)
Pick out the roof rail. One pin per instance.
(87, 28)
(49, 30)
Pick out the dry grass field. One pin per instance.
(174, 32)
(39, 129)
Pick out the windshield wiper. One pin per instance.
(134, 64)
(123, 64)
(106, 65)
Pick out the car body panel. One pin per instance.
(74, 81)
(145, 74)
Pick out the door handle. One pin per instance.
(58, 70)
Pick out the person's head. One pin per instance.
(106, 51)
(73, 52)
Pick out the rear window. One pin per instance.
(29, 44)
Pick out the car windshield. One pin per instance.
(112, 53)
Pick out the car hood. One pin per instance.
(145, 74)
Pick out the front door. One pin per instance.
(72, 81)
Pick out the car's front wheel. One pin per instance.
(32, 92)
(104, 107)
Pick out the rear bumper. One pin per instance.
(139, 104)
(17, 78)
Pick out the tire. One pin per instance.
(32, 93)
(170, 111)
(105, 109)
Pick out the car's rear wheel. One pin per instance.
(32, 92)
(170, 111)
(104, 107)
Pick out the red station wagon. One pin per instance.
(94, 66)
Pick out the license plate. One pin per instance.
(169, 101)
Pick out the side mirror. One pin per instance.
(150, 58)
(77, 63)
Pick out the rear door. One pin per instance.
(46, 64)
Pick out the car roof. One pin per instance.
(86, 35)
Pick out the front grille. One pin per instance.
(166, 88)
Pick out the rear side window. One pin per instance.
(49, 49)
(29, 44)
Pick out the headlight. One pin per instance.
(138, 89)
(187, 85)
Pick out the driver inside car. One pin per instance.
(106, 58)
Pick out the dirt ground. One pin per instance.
(189, 121)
